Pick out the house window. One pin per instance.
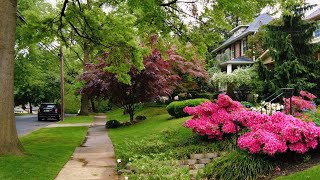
(244, 46)
(232, 51)
(317, 31)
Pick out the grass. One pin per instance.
(159, 134)
(311, 173)
(77, 119)
(46, 152)
(154, 145)
(23, 114)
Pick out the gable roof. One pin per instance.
(262, 19)
(314, 14)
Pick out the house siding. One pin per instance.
(238, 49)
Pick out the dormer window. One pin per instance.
(316, 33)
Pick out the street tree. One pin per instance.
(36, 77)
(9, 142)
(159, 77)
(87, 29)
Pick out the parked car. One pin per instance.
(19, 110)
(35, 110)
(49, 111)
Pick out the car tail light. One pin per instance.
(57, 110)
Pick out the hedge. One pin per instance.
(176, 108)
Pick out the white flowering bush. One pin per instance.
(239, 77)
(268, 108)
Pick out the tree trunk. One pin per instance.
(30, 106)
(85, 103)
(93, 107)
(9, 142)
(131, 116)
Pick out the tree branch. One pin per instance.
(169, 3)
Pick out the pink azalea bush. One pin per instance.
(214, 119)
(277, 133)
(301, 104)
(268, 134)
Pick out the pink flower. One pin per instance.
(267, 134)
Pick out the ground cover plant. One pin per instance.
(238, 165)
(158, 138)
(46, 152)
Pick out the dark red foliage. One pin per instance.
(159, 78)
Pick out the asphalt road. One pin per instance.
(27, 124)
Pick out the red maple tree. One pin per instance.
(158, 78)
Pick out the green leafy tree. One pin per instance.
(88, 30)
(288, 40)
(36, 77)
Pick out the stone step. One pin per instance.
(190, 161)
(210, 155)
(199, 166)
(204, 161)
(196, 156)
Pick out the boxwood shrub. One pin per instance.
(176, 108)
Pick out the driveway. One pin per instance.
(27, 124)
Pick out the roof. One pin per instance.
(238, 27)
(240, 61)
(314, 15)
(262, 19)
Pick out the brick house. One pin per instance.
(315, 16)
(230, 54)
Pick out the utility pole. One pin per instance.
(62, 82)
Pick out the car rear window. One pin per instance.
(48, 105)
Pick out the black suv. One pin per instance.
(49, 110)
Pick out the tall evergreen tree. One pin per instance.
(288, 40)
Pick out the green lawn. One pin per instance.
(46, 152)
(311, 173)
(77, 119)
(23, 114)
(155, 144)
(158, 134)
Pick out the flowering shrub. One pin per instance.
(277, 133)
(268, 134)
(214, 119)
(301, 104)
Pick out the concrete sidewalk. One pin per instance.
(95, 159)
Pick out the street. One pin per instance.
(26, 124)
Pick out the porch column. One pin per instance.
(229, 68)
